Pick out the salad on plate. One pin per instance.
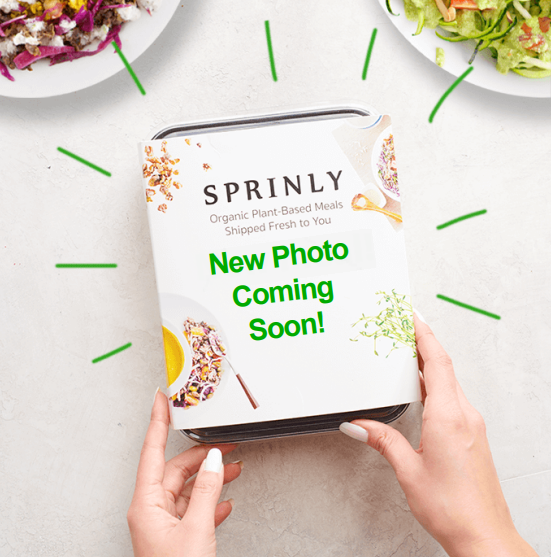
(516, 32)
(61, 30)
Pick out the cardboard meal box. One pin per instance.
(282, 276)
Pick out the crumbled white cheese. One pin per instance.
(149, 5)
(130, 13)
(67, 25)
(8, 6)
(84, 38)
(22, 39)
(100, 33)
(56, 40)
(35, 26)
(7, 48)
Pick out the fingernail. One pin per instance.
(155, 395)
(420, 316)
(240, 462)
(354, 431)
(231, 502)
(214, 461)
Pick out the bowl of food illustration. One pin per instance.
(383, 164)
(202, 340)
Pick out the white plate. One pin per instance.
(377, 148)
(458, 55)
(48, 81)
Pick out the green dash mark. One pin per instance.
(86, 265)
(130, 70)
(459, 219)
(83, 161)
(445, 95)
(467, 306)
(109, 354)
(369, 51)
(270, 50)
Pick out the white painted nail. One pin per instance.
(420, 316)
(214, 461)
(354, 431)
(155, 395)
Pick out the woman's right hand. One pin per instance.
(450, 481)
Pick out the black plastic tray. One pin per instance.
(286, 428)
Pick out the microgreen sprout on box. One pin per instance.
(394, 322)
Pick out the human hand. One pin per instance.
(450, 481)
(164, 492)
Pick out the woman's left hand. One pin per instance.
(164, 493)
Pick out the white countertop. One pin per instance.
(72, 431)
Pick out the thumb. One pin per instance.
(199, 517)
(385, 439)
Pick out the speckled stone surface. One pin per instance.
(71, 430)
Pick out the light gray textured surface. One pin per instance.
(72, 431)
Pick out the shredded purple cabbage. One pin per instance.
(9, 22)
(59, 30)
(85, 20)
(26, 58)
(80, 15)
(95, 7)
(69, 56)
(5, 72)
